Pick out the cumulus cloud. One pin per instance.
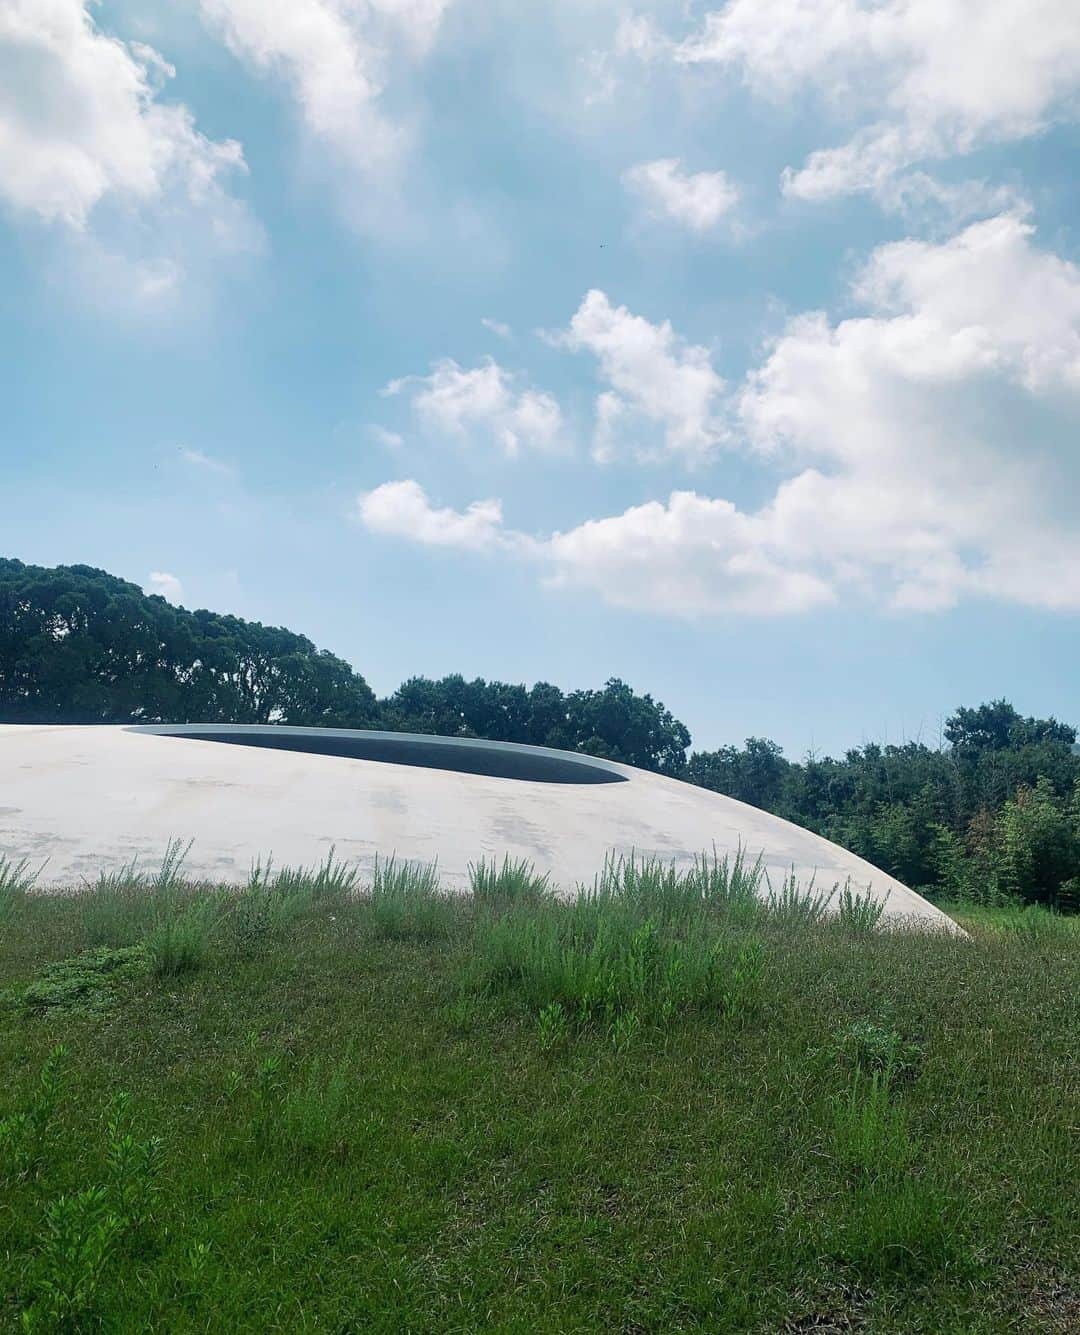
(336, 56)
(929, 79)
(85, 132)
(165, 584)
(697, 200)
(653, 374)
(926, 448)
(486, 400)
(906, 419)
(81, 119)
(402, 510)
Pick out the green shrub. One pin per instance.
(313, 1110)
(179, 941)
(859, 914)
(791, 906)
(263, 911)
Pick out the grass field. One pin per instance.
(315, 1105)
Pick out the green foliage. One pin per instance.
(23, 1134)
(83, 1229)
(992, 817)
(870, 1133)
(179, 941)
(794, 906)
(81, 1232)
(405, 900)
(859, 913)
(597, 957)
(16, 882)
(514, 882)
(875, 1050)
(78, 645)
(92, 981)
(614, 723)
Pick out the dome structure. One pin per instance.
(86, 799)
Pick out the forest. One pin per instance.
(990, 815)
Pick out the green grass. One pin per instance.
(315, 1104)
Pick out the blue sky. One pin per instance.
(730, 349)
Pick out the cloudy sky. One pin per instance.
(732, 349)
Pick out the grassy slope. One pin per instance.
(356, 1135)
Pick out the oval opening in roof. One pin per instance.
(464, 755)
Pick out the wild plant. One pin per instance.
(23, 1134)
(133, 1165)
(312, 1112)
(515, 882)
(81, 1233)
(792, 906)
(859, 914)
(870, 1133)
(872, 1049)
(89, 982)
(329, 880)
(168, 877)
(117, 908)
(405, 900)
(16, 882)
(742, 978)
(266, 907)
(121, 906)
(179, 941)
(552, 1026)
(596, 958)
(623, 1029)
(729, 884)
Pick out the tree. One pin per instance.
(78, 645)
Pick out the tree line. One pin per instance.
(994, 813)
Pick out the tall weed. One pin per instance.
(515, 882)
(405, 900)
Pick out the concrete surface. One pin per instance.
(84, 799)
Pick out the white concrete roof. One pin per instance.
(91, 798)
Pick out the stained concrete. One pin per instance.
(84, 799)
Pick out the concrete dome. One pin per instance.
(92, 798)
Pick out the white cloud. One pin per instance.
(206, 462)
(931, 78)
(653, 375)
(336, 56)
(165, 584)
(497, 327)
(87, 144)
(402, 510)
(81, 119)
(454, 401)
(698, 200)
(927, 448)
(391, 440)
(692, 557)
(916, 481)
